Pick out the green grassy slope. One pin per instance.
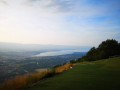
(98, 75)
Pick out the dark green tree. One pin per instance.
(72, 61)
(106, 49)
(91, 55)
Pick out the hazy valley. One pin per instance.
(22, 58)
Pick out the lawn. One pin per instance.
(97, 75)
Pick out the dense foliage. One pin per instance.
(106, 49)
(72, 61)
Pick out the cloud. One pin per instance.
(69, 7)
(3, 2)
(67, 22)
(58, 5)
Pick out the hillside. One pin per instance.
(96, 75)
(11, 68)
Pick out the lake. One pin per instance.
(56, 53)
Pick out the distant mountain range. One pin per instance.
(16, 47)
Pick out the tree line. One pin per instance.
(106, 49)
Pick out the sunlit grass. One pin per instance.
(98, 75)
(62, 68)
(23, 81)
(27, 80)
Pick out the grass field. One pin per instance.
(97, 75)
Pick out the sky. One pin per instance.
(59, 22)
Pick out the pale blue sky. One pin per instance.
(60, 22)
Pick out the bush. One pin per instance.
(72, 61)
(57, 66)
(80, 60)
(24, 81)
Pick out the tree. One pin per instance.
(108, 48)
(91, 55)
(72, 61)
(105, 50)
(79, 60)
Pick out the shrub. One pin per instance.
(57, 66)
(72, 61)
(62, 68)
(24, 81)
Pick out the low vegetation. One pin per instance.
(23, 81)
(28, 80)
(62, 68)
(95, 75)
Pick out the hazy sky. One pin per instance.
(61, 22)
